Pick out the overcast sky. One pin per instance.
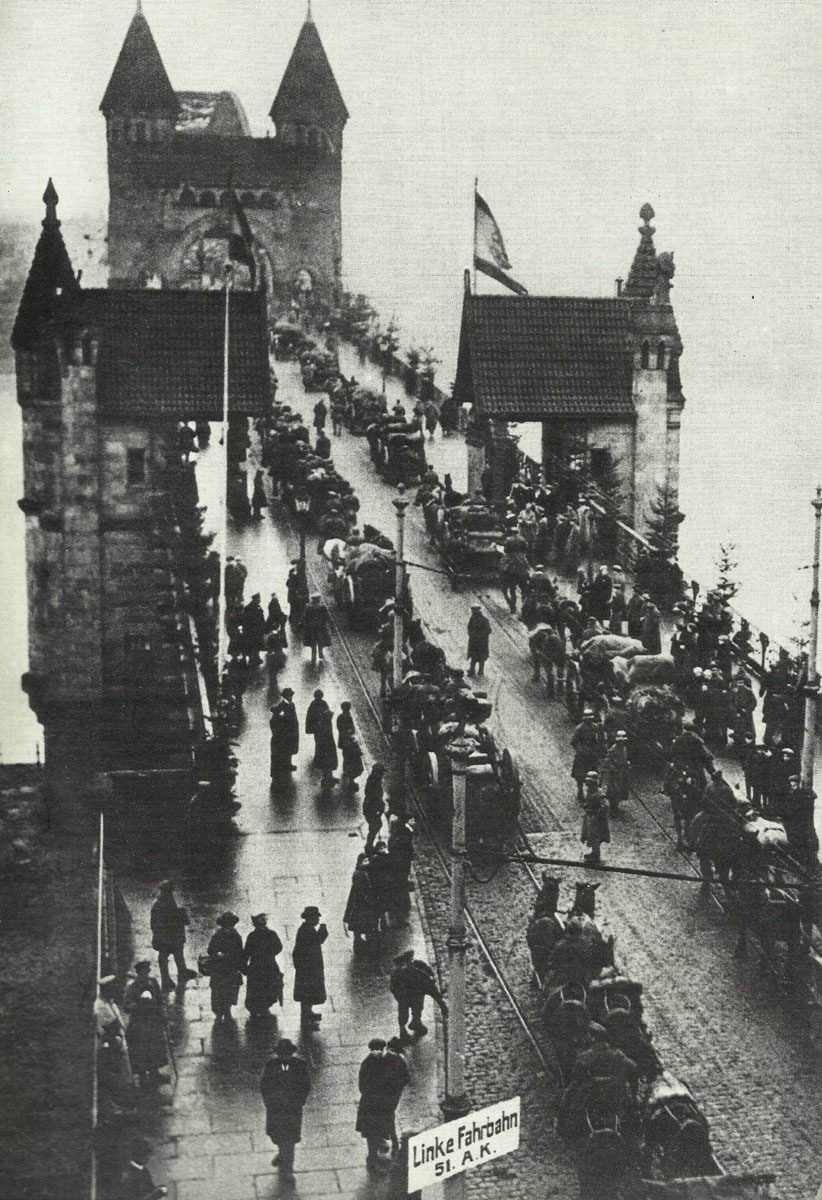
(572, 114)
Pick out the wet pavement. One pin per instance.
(295, 847)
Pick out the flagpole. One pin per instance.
(474, 246)
(222, 632)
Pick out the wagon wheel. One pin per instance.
(509, 774)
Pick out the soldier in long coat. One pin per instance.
(325, 756)
(309, 970)
(316, 633)
(264, 979)
(253, 623)
(586, 741)
(285, 734)
(617, 771)
(285, 1084)
(382, 1080)
(596, 826)
(479, 633)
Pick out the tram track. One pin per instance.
(539, 1043)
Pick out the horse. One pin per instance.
(548, 651)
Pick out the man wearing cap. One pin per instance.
(596, 827)
(309, 969)
(411, 981)
(587, 742)
(264, 979)
(285, 734)
(381, 1081)
(285, 1084)
(143, 981)
(479, 633)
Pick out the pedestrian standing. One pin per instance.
(316, 634)
(599, 600)
(651, 629)
(596, 827)
(285, 734)
(285, 1085)
(225, 950)
(275, 618)
(320, 415)
(352, 765)
(296, 587)
(311, 714)
(619, 609)
(147, 1041)
(168, 935)
(322, 447)
(136, 1182)
(382, 881)
(617, 772)
(264, 979)
(345, 723)
(382, 1079)
(259, 500)
(586, 741)
(360, 916)
(411, 981)
(479, 633)
(402, 1077)
(635, 610)
(113, 1063)
(309, 970)
(274, 658)
(325, 754)
(432, 416)
(401, 856)
(253, 622)
(373, 804)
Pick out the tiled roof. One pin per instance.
(160, 353)
(139, 83)
(308, 91)
(218, 113)
(531, 357)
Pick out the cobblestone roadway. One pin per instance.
(719, 1024)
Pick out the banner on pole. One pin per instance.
(460, 1145)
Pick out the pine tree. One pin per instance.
(726, 585)
(657, 569)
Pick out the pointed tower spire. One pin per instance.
(139, 82)
(50, 275)
(309, 94)
(308, 16)
(642, 276)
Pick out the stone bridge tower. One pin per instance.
(172, 156)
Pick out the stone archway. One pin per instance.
(198, 258)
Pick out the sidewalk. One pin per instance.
(295, 848)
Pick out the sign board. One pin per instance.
(467, 1142)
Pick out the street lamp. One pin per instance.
(400, 505)
(456, 1103)
(302, 503)
(812, 686)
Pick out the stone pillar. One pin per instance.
(500, 454)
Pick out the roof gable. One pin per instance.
(160, 353)
(308, 91)
(139, 83)
(533, 357)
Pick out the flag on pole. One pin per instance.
(240, 237)
(489, 249)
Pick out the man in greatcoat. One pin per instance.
(168, 935)
(309, 969)
(479, 632)
(311, 714)
(596, 826)
(599, 599)
(411, 981)
(285, 734)
(587, 743)
(285, 1084)
(382, 1080)
(264, 979)
(634, 613)
(651, 631)
(253, 623)
(316, 633)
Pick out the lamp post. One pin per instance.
(456, 1103)
(400, 505)
(302, 503)
(812, 685)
